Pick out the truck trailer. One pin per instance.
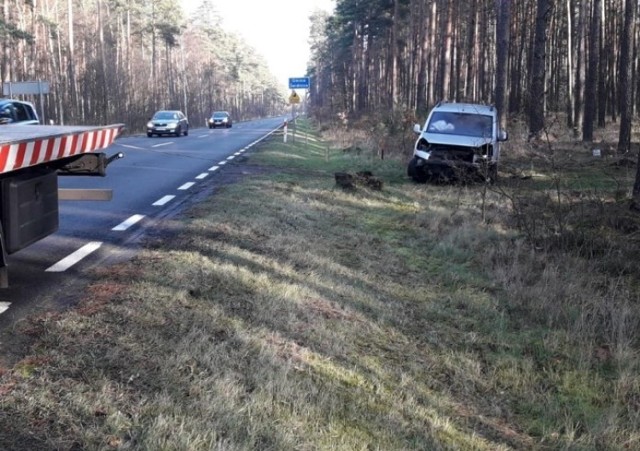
(31, 159)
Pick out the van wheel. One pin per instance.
(493, 174)
(416, 172)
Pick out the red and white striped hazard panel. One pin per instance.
(30, 145)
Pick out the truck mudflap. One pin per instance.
(22, 146)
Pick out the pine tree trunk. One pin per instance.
(624, 138)
(421, 100)
(602, 69)
(71, 63)
(591, 83)
(570, 99)
(537, 94)
(578, 106)
(503, 14)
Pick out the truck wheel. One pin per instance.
(416, 172)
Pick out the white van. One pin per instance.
(458, 141)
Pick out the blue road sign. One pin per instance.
(299, 83)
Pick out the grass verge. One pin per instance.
(288, 313)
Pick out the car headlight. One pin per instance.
(149, 124)
(172, 125)
(224, 119)
(210, 120)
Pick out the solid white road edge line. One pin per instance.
(75, 257)
(4, 306)
(128, 223)
(160, 202)
(163, 144)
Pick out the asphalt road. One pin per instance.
(153, 179)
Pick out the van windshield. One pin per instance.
(448, 123)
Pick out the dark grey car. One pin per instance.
(220, 119)
(168, 122)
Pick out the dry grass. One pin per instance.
(286, 313)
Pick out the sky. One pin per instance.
(277, 29)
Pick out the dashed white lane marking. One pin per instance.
(128, 223)
(87, 249)
(203, 136)
(128, 146)
(4, 306)
(201, 176)
(160, 202)
(75, 257)
(186, 186)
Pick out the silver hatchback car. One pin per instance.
(168, 122)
